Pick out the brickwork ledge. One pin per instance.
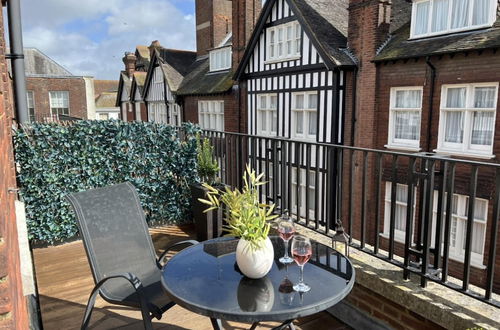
(436, 303)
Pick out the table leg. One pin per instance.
(216, 324)
(284, 325)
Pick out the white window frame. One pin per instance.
(399, 235)
(466, 148)
(30, 99)
(392, 141)
(211, 115)
(302, 191)
(279, 42)
(305, 113)
(52, 96)
(491, 19)
(456, 252)
(157, 112)
(220, 59)
(270, 114)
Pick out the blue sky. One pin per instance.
(90, 37)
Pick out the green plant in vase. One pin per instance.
(247, 219)
(208, 168)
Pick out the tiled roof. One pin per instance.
(200, 81)
(101, 86)
(139, 79)
(327, 21)
(143, 58)
(399, 45)
(106, 100)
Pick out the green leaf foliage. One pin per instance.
(208, 168)
(246, 217)
(55, 160)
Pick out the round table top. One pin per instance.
(205, 279)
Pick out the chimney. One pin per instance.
(129, 61)
(154, 45)
(213, 23)
(368, 28)
(245, 15)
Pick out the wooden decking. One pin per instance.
(64, 284)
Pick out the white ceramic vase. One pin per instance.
(255, 263)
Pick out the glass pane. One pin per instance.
(313, 124)
(312, 202)
(274, 125)
(455, 97)
(409, 99)
(400, 217)
(478, 237)
(299, 101)
(274, 101)
(453, 234)
(480, 14)
(482, 128)
(480, 210)
(263, 99)
(440, 15)
(402, 193)
(484, 97)
(299, 124)
(459, 13)
(454, 127)
(313, 101)
(455, 205)
(421, 18)
(407, 125)
(263, 120)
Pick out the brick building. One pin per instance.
(53, 91)
(433, 77)
(13, 304)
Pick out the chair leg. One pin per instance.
(216, 324)
(88, 309)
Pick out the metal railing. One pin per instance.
(429, 214)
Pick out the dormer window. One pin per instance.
(434, 17)
(284, 42)
(220, 59)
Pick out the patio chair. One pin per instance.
(121, 254)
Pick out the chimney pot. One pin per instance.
(129, 60)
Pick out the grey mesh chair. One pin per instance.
(121, 254)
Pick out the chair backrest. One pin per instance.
(114, 231)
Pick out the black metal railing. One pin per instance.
(432, 215)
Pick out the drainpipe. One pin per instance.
(431, 97)
(353, 114)
(17, 60)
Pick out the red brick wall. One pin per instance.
(231, 116)
(218, 14)
(245, 15)
(42, 86)
(13, 311)
(382, 309)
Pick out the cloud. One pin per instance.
(89, 37)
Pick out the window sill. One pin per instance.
(473, 263)
(284, 59)
(449, 32)
(403, 147)
(466, 154)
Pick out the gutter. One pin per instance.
(17, 60)
(431, 98)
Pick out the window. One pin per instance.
(467, 120)
(401, 209)
(103, 116)
(284, 41)
(267, 115)
(220, 59)
(211, 115)
(157, 112)
(404, 117)
(59, 103)
(31, 106)
(303, 188)
(458, 228)
(304, 115)
(432, 17)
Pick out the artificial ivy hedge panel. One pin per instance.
(54, 160)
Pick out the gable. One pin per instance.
(156, 85)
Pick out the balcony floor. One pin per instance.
(64, 283)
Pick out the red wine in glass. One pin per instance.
(301, 257)
(286, 229)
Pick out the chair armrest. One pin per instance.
(168, 248)
(134, 281)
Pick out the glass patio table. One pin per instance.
(206, 280)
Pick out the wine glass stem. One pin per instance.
(286, 249)
(302, 274)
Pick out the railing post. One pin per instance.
(493, 237)
(378, 201)
(450, 189)
(470, 227)
(409, 218)
(427, 219)
(394, 187)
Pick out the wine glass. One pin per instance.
(286, 229)
(301, 251)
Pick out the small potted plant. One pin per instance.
(247, 219)
(208, 224)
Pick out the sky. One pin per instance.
(90, 37)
